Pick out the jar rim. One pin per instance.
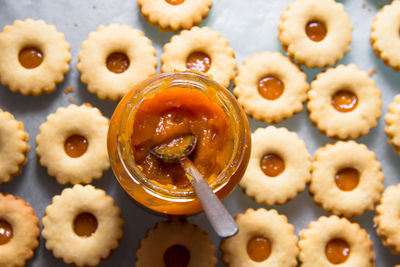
(186, 79)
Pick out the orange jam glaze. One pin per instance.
(173, 113)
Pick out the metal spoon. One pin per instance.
(178, 150)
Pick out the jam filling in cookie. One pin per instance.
(272, 165)
(259, 248)
(177, 256)
(117, 62)
(337, 251)
(85, 224)
(6, 232)
(198, 61)
(75, 146)
(30, 57)
(344, 101)
(270, 87)
(316, 30)
(347, 179)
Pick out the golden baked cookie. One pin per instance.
(265, 238)
(385, 35)
(13, 146)
(19, 231)
(33, 57)
(174, 15)
(392, 128)
(279, 166)
(387, 218)
(203, 50)
(72, 144)
(343, 102)
(114, 58)
(346, 178)
(82, 225)
(270, 87)
(333, 241)
(176, 243)
(316, 33)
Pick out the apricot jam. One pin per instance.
(165, 107)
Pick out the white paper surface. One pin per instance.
(251, 27)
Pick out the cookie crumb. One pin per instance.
(94, 7)
(68, 90)
(364, 5)
(371, 72)
(75, 25)
(70, 100)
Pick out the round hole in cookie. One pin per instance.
(176, 256)
(6, 232)
(174, 2)
(30, 57)
(270, 87)
(344, 101)
(85, 224)
(117, 62)
(259, 248)
(337, 251)
(76, 145)
(272, 165)
(198, 61)
(316, 30)
(347, 179)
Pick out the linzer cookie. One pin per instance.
(316, 33)
(387, 218)
(334, 241)
(346, 178)
(279, 166)
(13, 146)
(33, 57)
(174, 15)
(176, 243)
(344, 102)
(19, 231)
(265, 238)
(202, 50)
(71, 144)
(385, 35)
(392, 128)
(82, 225)
(270, 87)
(114, 59)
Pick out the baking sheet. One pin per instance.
(251, 27)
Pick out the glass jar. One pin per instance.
(150, 194)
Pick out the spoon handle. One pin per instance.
(222, 222)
